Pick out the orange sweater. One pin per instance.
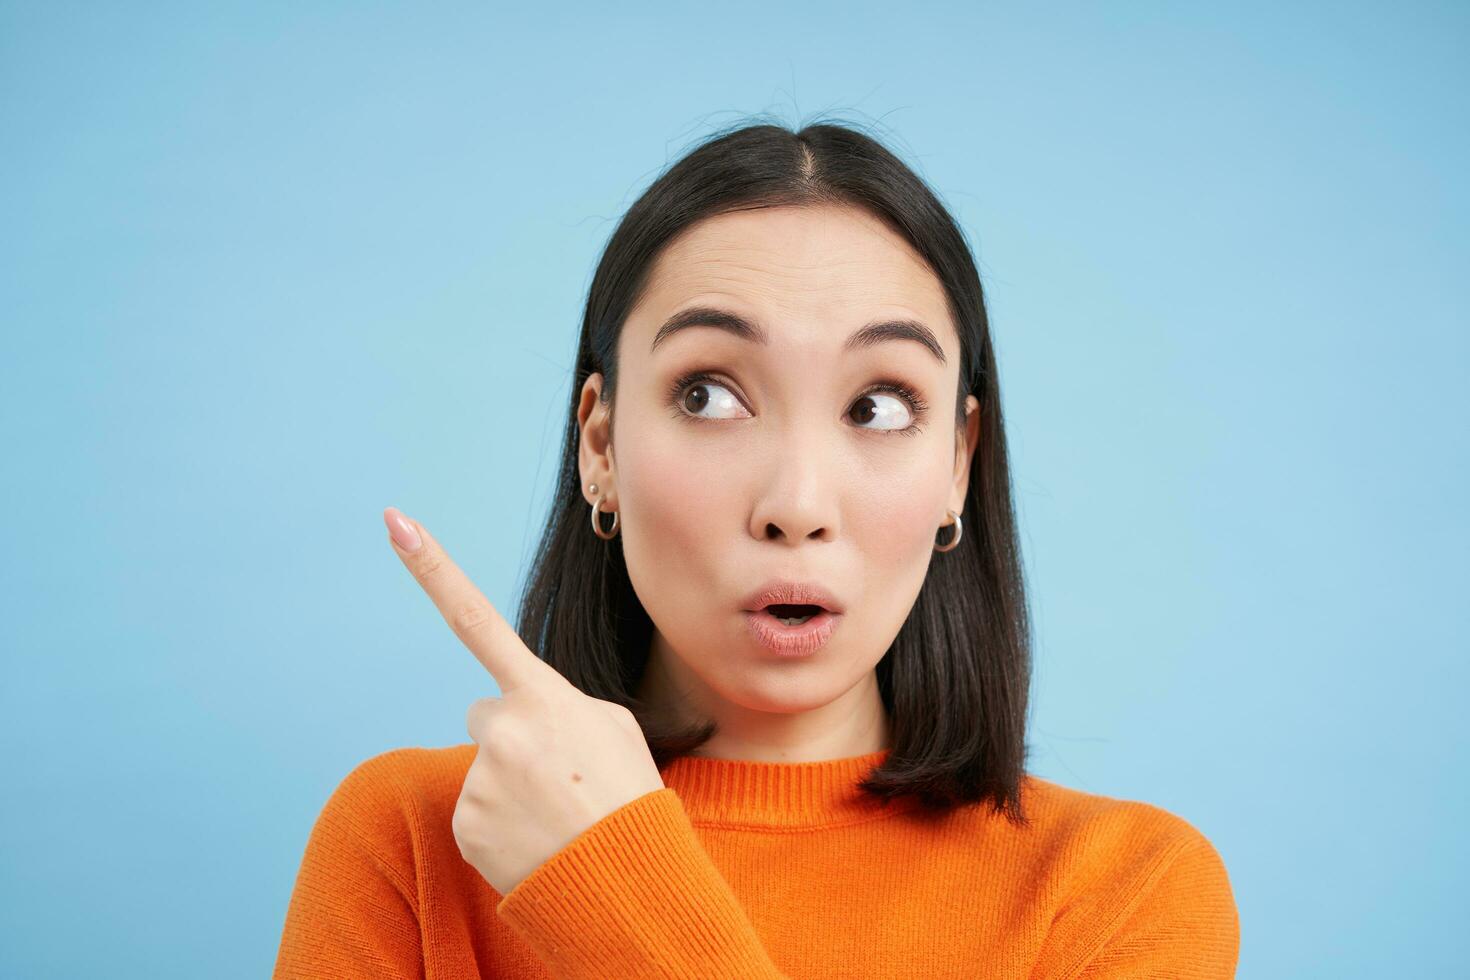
(756, 870)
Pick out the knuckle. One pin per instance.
(467, 619)
(509, 729)
(460, 825)
(479, 717)
(428, 564)
(471, 797)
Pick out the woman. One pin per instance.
(776, 717)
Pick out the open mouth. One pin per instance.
(793, 614)
(792, 630)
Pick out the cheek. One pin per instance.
(894, 531)
(907, 527)
(895, 524)
(676, 506)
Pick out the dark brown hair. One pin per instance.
(955, 681)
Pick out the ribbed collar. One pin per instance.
(739, 792)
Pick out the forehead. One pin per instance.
(819, 270)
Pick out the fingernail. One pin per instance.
(404, 534)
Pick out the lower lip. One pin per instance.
(791, 641)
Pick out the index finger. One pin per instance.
(473, 618)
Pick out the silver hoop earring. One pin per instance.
(959, 529)
(612, 532)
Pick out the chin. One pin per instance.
(779, 696)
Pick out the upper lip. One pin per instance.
(791, 592)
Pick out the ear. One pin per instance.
(967, 438)
(594, 443)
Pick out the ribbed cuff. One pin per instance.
(636, 895)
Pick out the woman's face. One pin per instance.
(784, 461)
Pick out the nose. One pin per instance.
(798, 494)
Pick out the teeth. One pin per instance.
(794, 621)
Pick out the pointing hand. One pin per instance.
(551, 760)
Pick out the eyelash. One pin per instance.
(916, 404)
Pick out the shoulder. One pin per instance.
(389, 797)
(1124, 873)
(410, 768)
(1093, 828)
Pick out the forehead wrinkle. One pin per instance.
(848, 301)
(705, 320)
(766, 274)
(759, 266)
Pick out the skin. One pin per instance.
(781, 472)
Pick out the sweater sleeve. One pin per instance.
(353, 912)
(1182, 923)
(636, 895)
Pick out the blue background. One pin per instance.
(269, 268)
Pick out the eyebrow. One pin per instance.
(874, 333)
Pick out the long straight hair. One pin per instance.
(956, 678)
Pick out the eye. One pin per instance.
(896, 406)
(694, 398)
(892, 414)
